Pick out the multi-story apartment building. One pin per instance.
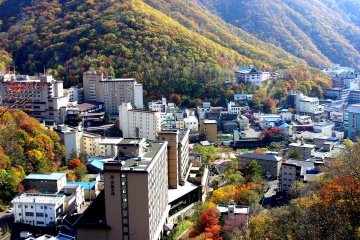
(112, 91)
(71, 138)
(338, 93)
(242, 97)
(45, 183)
(75, 95)
(252, 75)
(270, 164)
(208, 128)
(353, 121)
(178, 154)
(306, 150)
(90, 144)
(38, 210)
(109, 147)
(46, 102)
(297, 170)
(138, 123)
(134, 203)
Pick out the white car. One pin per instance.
(10, 210)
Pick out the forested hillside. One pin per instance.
(25, 147)
(317, 31)
(183, 49)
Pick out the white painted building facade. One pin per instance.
(38, 210)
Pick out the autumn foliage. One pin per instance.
(74, 163)
(271, 133)
(209, 224)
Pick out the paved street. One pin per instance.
(269, 196)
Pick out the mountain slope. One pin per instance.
(314, 30)
(183, 49)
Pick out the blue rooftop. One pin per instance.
(96, 163)
(85, 185)
(53, 176)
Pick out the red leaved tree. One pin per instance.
(74, 163)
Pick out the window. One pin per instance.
(39, 214)
(29, 214)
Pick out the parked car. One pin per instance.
(10, 210)
(25, 234)
(298, 132)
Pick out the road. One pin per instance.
(269, 196)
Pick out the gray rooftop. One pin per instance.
(261, 157)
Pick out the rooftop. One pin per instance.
(261, 157)
(210, 122)
(52, 176)
(143, 161)
(85, 185)
(174, 194)
(239, 209)
(302, 145)
(38, 198)
(110, 140)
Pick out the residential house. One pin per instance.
(270, 164)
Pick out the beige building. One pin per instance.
(134, 203)
(112, 91)
(138, 123)
(208, 128)
(90, 146)
(178, 154)
(269, 163)
(306, 150)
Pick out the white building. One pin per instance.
(108, 147)
(112, 91)
(203, 109)
(306, 104)
(75, 197)
(71, 138)
(38, 210)
(297, 170)
(158, 106)
(47, 102)
(241, 97)
(138, 123)
(252, 75)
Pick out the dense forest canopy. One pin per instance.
(26, 147)
(169, 46)
(317, 31)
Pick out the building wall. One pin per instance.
(288, 176)
(270, 167)
(36, 212)
(306, 152)
(138, 124)
(173, 164)
(136, 201)
(210, 131)
(91, 144)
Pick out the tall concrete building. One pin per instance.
(134, 203)
(178, 154)
(112, 91)
(136, 123)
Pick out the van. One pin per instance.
(25, 234)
